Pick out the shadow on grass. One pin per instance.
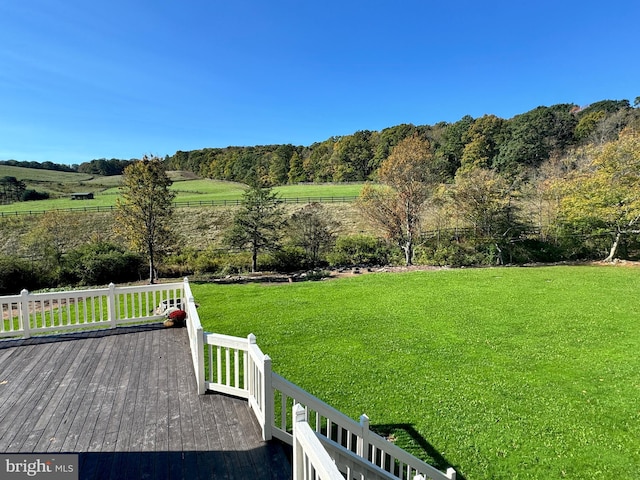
(408, 438)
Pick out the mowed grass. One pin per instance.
(502, 373)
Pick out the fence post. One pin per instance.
(267, 400)
(24, 313)
(363, 441)
(299, 415)
(111, 306)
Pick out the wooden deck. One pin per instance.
(126, 401)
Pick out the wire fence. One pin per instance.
(196, 203)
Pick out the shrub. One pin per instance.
(213, 261)
(32, 195)
(359, 250)
(17, 274)
(532, 251)
(102, 262)
(288, 259)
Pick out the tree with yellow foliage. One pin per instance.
(605, 193)
(145, 208)
(409, 176)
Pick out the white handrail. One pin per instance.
(310, 460)
(196, 336)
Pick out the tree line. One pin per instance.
(40, 165)
(564, 184)
(100, 166)
(508, 146)
(104, 167)
(582, 205)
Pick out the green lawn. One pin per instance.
(502, 373)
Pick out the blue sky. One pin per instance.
(82, 80)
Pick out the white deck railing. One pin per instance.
(58, 312)
(237, 366)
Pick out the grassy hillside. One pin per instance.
(502, 373)
(44, 176)
(199, 227)
(187, 186)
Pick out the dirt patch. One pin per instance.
(351, 272)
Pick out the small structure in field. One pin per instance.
(82, 196)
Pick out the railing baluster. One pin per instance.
(211, 377)
(236, 369)
(283, 412)
(52, 318)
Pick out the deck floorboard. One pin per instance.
(126, 401)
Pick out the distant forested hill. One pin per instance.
(100, 166)
(39, 165)
(509, 146)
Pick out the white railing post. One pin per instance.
(310, 458)
(363, 439)
(251, 369)
(24, 313)
(199, 346)
(267, 400)
(299, 416)
(260, 386)
(111, 306)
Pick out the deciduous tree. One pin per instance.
(296, 169)
(11, 189)
(606, 192)
(52, 237)
(482, 199)
(145, 210)
(484, 136)
(409, 176)
(312, 228)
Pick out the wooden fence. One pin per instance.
(193, 203)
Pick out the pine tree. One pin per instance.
(257, 223)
